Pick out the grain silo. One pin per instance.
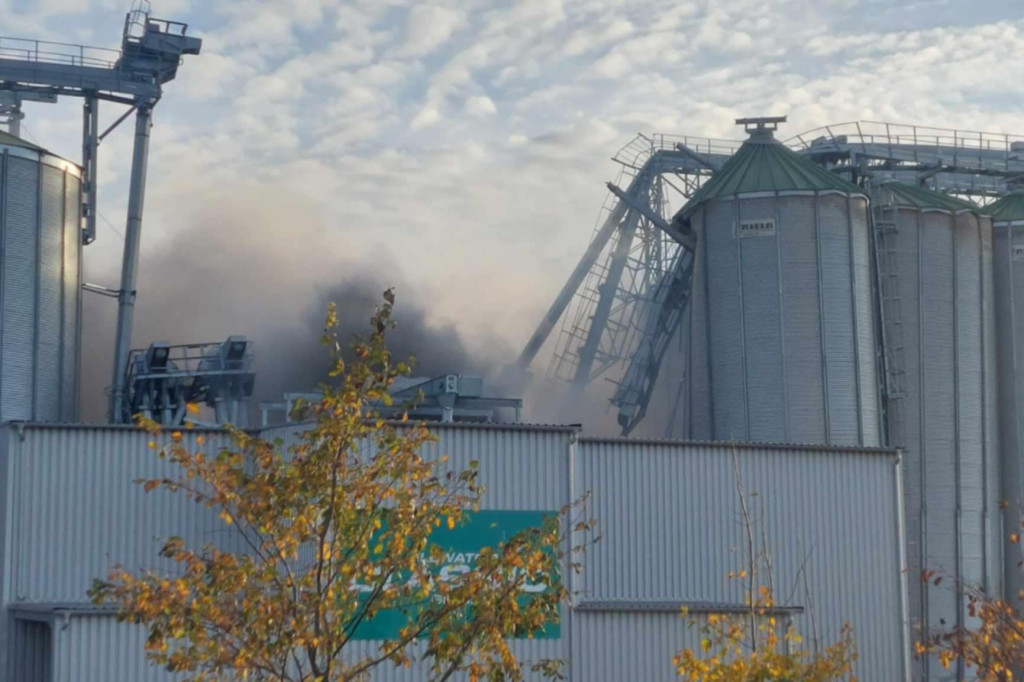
(1008, 255)
(935, 252)
(40, 281)
(782, 333)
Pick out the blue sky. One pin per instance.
(460, 147)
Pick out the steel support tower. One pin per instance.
(40, 71)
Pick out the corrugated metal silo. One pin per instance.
(40, 281)
(939, 255)
(1008, 255)
(782, 333)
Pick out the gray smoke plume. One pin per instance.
(266, 269)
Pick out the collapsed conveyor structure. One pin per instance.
(624, 300)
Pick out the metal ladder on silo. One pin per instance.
(890, 310)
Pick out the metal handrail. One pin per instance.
(880, 132)
(637, 151)
(44, 51)
(137, 17)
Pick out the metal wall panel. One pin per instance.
(7, 493)
(77, 511)
(759, 267)
(672, 531)
(945, 421)
(39, 288)
(783, 337)
(839, 318)
(1008, 274)
(970, 383)
(805, 387)
(17, 344)
(96, 648)
(725, 321)
(521, 467)
(84, 652)
(50, 289)
(655, 638)
(72, 300)
(995, 582)
(32, 645)
(667, 513)
(938, 430)
(696, 413)
(863, 291)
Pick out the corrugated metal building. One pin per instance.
(669, 513)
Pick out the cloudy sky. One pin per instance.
(458, 149)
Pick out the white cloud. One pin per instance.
(480, 106)
(426, 117)
(218, 76)
(643, 51)
(589, 38)
(428, 27)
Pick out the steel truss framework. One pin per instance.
(624, 301)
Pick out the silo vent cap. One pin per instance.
(762, 127)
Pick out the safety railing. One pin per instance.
(882, 133)
(46, 52)
(640, 148)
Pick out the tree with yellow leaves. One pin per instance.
(341, 540)
(750, 644)
(991, 647)
(729, 653)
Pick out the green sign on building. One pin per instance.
(462, 544)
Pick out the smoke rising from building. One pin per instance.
(266, 268)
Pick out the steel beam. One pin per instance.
(686, 240)
(90, 145)
(579, 273)
(78, 77)
(706, 161)
(607, 289)
(130, 264)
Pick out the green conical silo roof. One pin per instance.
(901, 194)
(12, 141)
(764, 165)
(1007, 209)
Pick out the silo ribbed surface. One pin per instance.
(40, 281)
(1008, 256)
(945, 419)
(782, 332)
